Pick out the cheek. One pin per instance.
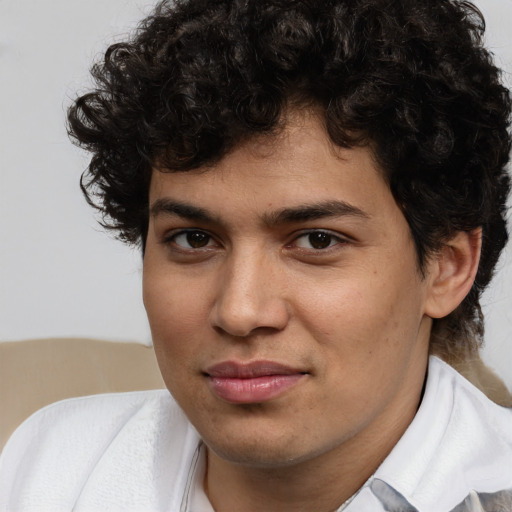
(176, 313)
(365, 339)
(365, 318)
(174, 321)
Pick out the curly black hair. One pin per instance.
(409, 78)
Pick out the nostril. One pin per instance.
(245, 333)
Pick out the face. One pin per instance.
(284, 298)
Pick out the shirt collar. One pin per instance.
(454, 445)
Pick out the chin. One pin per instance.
(263, 448)
(257, 455)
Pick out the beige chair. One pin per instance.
(36, 373)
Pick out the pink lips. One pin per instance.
(254, 382)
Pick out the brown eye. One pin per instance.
(192, 239)
(197, 239)
(320, 240)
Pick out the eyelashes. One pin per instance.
(198, 240)
(191, 239)
(318, 240)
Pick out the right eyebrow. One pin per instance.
(183, 210)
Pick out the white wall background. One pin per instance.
(60, 275)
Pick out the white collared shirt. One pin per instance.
(135, 452)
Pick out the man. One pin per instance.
(318, 189)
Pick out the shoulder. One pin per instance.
(84, 422)
(469, 406)
(459, 443)
(74, 450)
(471, 429)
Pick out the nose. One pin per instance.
(249, 297)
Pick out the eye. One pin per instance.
(317, 240)
(192, 239)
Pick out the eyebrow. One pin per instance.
(300, 213)
(314, 211)
(183, 210)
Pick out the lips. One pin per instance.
(255, 382)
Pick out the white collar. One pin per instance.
(458, 442)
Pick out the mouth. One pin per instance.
(250, 383)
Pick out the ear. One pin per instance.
(452, 273)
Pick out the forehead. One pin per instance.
(299, 164)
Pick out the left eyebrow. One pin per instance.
(314, 211)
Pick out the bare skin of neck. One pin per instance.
(320, 484)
